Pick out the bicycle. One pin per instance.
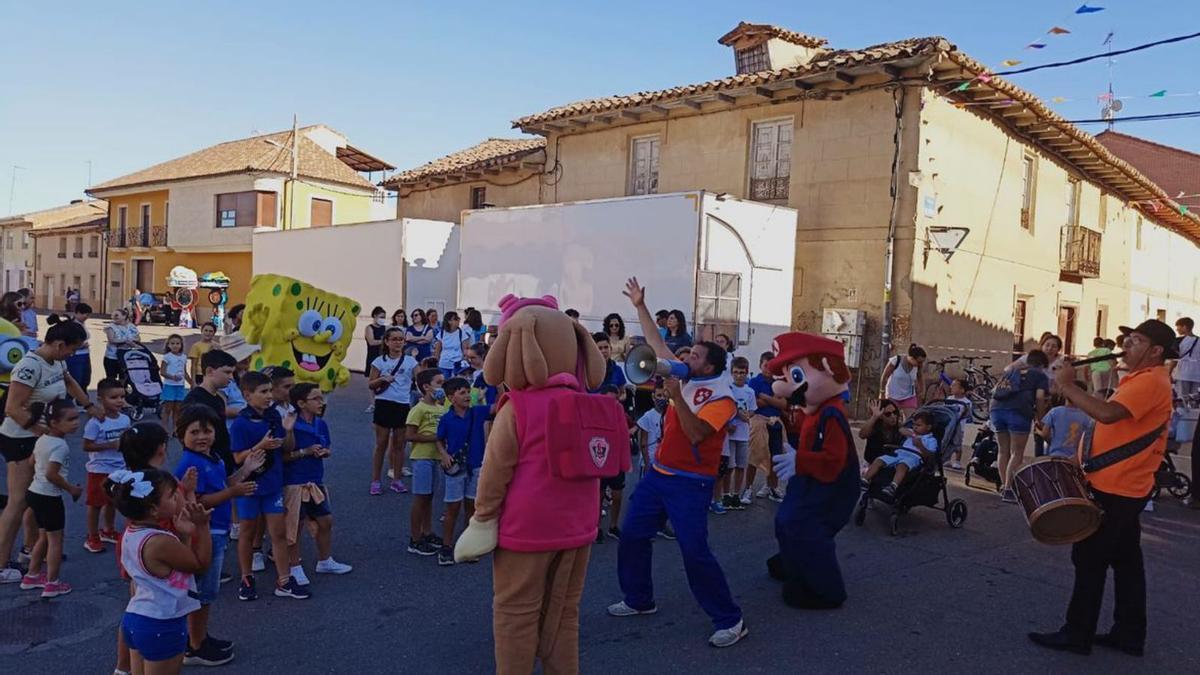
(980, 385)
(939, 388)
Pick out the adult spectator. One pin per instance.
(29, 318)
(881, 429)
(419, 336)
(1018, 399)
(660, 321)
(233, 319)
(1132, 425)
(121, 334)
(903, 379)
(677, 335)
(614, 328)
(1051, 345)
(37, 379)
(1186, 372)
(473, 319)
(11, 306)
(1100, 373)
(400, 318)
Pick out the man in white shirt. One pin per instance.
(1187, 367)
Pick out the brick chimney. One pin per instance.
(757, 47)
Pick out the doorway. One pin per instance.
(1066, 327)
(1101, 321)
(143, 275)
(116, 285)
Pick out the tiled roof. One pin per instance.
(67, 215)
(1175, 170)
(254, 154)
(494, 152)
(831, 61)
(792, 36)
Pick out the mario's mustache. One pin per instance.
(798, 396)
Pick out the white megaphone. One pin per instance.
(642, 365)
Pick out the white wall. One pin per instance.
(193, 217)
(431, 257)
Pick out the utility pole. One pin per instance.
(89, 163)
(12, 187)
(295, 168)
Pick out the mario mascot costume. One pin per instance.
(821, 473)
(538, 502)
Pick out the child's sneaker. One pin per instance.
(622, 609)
(747, 497)
(207, 655)
(108, 536)
(376, 488)
(615, 532)
(10, 575)
(955, 465)
(889, 491)
(225, 578)
(775, 496)
(93, 545)
(257, 563)
(666, 532)
(764, 491)
(30, 582)
(435, 540)
(717, 508)
(23, 555)
(331, 566)
(727, 637)
(1008, 496)
(291, 589)
(246, 590)
(398, 487)
(406, 472)
(234, 530)
(223, 645)
(299, 575)
(421, 547)
(53, 589)
(445, 556)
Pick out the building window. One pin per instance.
(145, 215)
(9, 244)
(718, 303)
(78, 252)
(166, 213)
(478, 197)
(1028, 190)
(1019, 325)
(246, 209)
(94, 246)
(1138, 233)
(122, 220)
(76, 282)
(643, 166)
(321, 214)
(92, 287)
(62, 285)
(771, 160)
(752, 59)
(62, 247)
(24, 239)
(1161, 315)
(1073, 188)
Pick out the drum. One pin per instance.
(1055, 499)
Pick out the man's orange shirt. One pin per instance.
(1146, 394)
(675, 451)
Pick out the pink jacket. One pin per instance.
(542, 511)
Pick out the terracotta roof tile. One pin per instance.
(493, 152)
(792, 36)
(831, 61)
(1175, 170)
(66, 215)
(254, 154)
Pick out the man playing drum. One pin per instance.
(1138, 412)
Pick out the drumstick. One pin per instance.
(1097, 359)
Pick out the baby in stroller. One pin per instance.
(919, 444)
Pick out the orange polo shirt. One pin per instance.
(675, 451)
(1146, 394)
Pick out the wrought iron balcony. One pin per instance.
(158, 235)
(1080, 251)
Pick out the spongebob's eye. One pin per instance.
(334, 327)
(11, 353)
(797, 374)
(310, 323)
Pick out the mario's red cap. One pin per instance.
(791, 347)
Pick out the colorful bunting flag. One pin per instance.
(1010, 62)
(963, 86)
(1159, 94)
(1084, 9)
(1058, 31)
(1059, 99)
(1183, 210)
(984, 77)
(1036, 45)
(1108, 39)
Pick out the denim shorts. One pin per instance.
(472, 483)
(250, 508)
(906, 457)
(209, 583)
(455, 487)
(739, 454)
(424, 475)
(1008, 421)
(155, 639)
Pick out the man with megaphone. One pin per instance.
(679, 483)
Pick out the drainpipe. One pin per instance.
(885, 350)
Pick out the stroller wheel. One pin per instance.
(860, 513)
(136, 413)
(1181, 486)
(956, 513)
(967, 475)
(895, 523)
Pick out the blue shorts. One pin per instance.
(424, 476)
(472, 483)
(906, 457)
(209, 583)
(155, 639)
(174, 393)
(1008, 421)
(455, 487)
(250, 508)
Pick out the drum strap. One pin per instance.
(1117, 454)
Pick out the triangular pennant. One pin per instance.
(963, 86)
(1035, 45)
(984, 77)
(1183, 210)
(1084, 9)
(1010, 62)
(1159, 94)
(1058, 99)
(1058, 31)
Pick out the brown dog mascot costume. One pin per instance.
(538, 501)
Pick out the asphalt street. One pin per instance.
(932, 599)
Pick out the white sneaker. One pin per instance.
(235, 530)
(776, 495)
(747, 497)
(727, 637)
(391, 474)
(331, 566)
(9, 575)
(258, 564)
(406, 472)
(622, 609)
(299, 576)
(370, 409)
(1149, 507)
(764, 491)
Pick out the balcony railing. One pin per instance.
(93, 254)
(1080, 252)
(62, 254)
(158, 235)
(118, 239)
(77, 254)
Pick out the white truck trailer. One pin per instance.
(726, 263)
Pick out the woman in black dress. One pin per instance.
(881, 430)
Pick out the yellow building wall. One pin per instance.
(236, 265)
(133, 202)
(347, 208)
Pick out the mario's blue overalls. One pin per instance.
(812, 514)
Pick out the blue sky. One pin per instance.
(129, 84)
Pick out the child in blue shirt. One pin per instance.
(197, 431)
(1062, 427)
(920, 442)
(460, 440)
(305, 495)
(259, 427)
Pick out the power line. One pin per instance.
(1142, 118)
(1108, 54)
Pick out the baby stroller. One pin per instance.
(143, 386)
(984, 452)
(927, 485)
